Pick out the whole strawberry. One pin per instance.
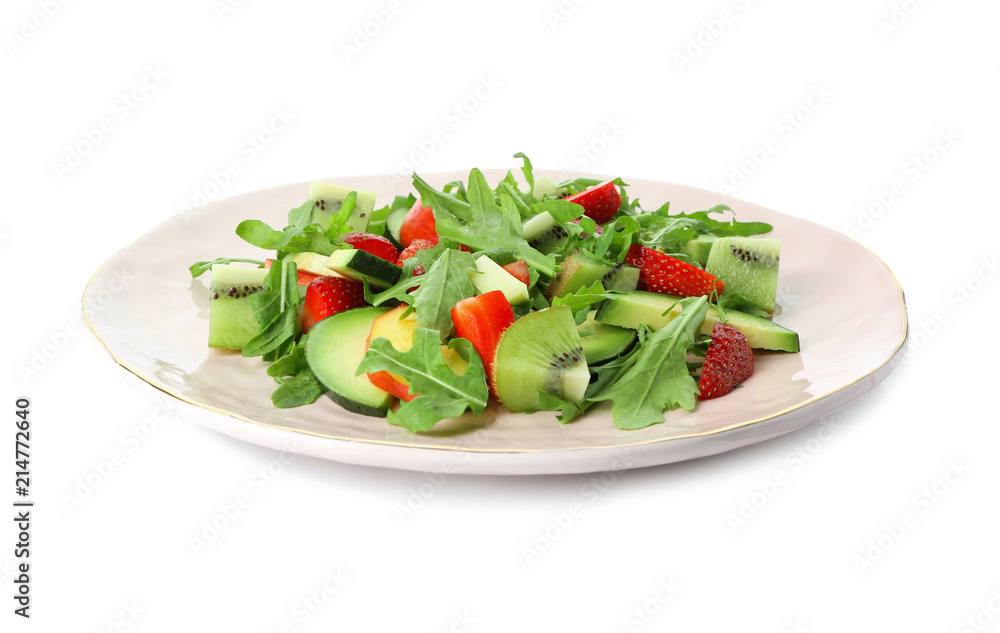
(326, 296)
(662, 273)
(728, 362)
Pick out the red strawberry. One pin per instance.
(304, 278)
(601, 202)
(520, 271)
(374, 244)
(411, 250)
(327, 296)
(729, 362)
(668, 275)
(418, 225)
(482, 320)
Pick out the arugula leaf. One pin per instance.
(444, 284)
(200, 268)
(581, 300)
(301, 216)
(292, 239)
(443, 393)
(276, 310)
(560, 210)
(659, 379)
(527, 170)
(297, 383)
(490, 225)
(730, 300)
(440, 201)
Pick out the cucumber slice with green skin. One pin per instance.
(334, 349)
(393, 223)
(361, 265)
(602, 342)
(633, 308)
(327, 198)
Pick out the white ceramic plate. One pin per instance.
(144, 308)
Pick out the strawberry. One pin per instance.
(728, 362)
(411, 250)
(483, 320)
(418, 224)
(601, 202)
(374, 244)
(668, 275)
(519, 270)
(304, 278)
(326, 296)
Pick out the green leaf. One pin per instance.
(301, 216)
(581, 300)
(200, 268)
(276, 310)
(659, 379)
(444, 284)
(560, 210)
(440, 201)
(527, 170)
(297, 385)
(490, 225)
(292, 239)
(443, 393)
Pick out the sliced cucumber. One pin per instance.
(334, 349)
(633, 308)
(362, 265)
(312, 263)
(602, 342)
(393, 224)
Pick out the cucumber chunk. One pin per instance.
(629, 309)
(361, 265)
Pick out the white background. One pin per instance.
(608, 80)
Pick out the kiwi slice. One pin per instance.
(748, 266)
(581, 271)
(543, 233)
(231, 318)
(700, 247)
(327, 199)
(541, 351)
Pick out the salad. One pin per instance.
(542, 295)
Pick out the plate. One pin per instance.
(151, 317)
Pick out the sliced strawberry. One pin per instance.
(668, 275)
(520, 271)
(327, 296)
(304, 278)
(601, 202)
(411, 250)
(482, 320)
(418, 225)
(374, 244)
(728, 362)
